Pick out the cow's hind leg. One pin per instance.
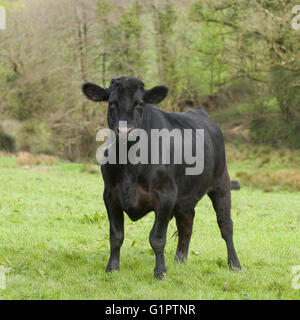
(221, 200)
(184, 222)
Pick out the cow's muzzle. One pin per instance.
(123, 131)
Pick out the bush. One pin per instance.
(75, 139)
(275, 131)
(34, 137)
(7, 143)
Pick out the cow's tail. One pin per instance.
(235, 185)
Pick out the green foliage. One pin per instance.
(164, 22)
(167, 19)
(103, 9)
(286, 86)
(206, 51)
(275, 131)
(34, 136)
(122, 40)
(11, 5)
(7, 143)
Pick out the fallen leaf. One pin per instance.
(40, 272)
(226, 286)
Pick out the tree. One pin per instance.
(257, 38)
(164, 21)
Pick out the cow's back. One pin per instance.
(191, 188)
(214, 152)
(215, 134)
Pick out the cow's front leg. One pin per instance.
(116, 232)
(158, 237)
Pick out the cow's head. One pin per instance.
(126, 98)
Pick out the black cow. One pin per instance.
(138, 189)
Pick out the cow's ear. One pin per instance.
(94, 92)
(156, 95)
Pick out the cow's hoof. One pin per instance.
(160, 276)
(180, 259)
(112, 269)
(235, 267)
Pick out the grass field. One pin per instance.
(54, 242)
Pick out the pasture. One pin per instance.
(54, 241)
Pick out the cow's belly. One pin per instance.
(135, 199)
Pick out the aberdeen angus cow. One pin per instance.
(164, 188)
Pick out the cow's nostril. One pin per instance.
(123, 131)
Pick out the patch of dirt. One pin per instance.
(231, 132)
(38, 169)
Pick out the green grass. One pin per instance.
(54, 243)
